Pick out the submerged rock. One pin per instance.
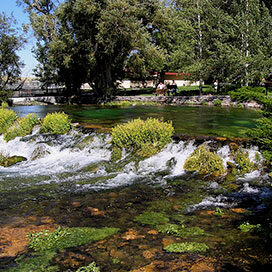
(39, 152)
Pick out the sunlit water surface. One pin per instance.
(66, 178)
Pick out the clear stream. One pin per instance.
(193, 120)
(71, 181)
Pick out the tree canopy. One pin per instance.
(10, 42)
(101, 42)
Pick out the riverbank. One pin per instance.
(209, 100)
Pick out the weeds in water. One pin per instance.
(151, 218)
(180, 231)
(242, 160)
(187, 247)
(21, 127)
(56, 123)
(218, 212)
(205, 162)
(89, 268)
(64, 238)
(145, 137)
(7, 118)
(37, 262)
(247, 227)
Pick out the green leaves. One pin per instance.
(11, 41)
(56, 123)
(146, 137)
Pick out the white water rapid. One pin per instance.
(81, 162)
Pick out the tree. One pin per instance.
(93, 41)
(43, 22)
(10, 42)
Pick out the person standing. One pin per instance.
(216, 85)
(174, 87)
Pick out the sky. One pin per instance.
(9, 7)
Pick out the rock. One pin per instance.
(132, 235)
(153, 232)
(76, 204)
(95, 211)
(148, 254)
(9, 161)
(238, 210)
(39, 152)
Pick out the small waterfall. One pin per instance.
(83, 162)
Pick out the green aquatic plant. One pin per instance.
(242, 160)
(7, 118)
(35, 263)
(247, 227)
(146, 138)
(21, 127)
(205, 162)
(64, 238)
(116, 154)
(164, 206)
(151, 218)
(218, 212)
(56, 123)
(180, 231)
(89, 268)
(190, 247)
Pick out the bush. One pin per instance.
(205, 162)
(263, 136)
(21, 127)
(4, 105)
(56, 123)
(145, 137)
(7, 118)
(246, 94)
(217, 103)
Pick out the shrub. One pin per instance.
(205, 162)
(21, 127)
(145, 137)
(4, 105)
(246, 94)
(186, 247)
(56, 123)
(263, 136)
(217, 103)
(7, 118)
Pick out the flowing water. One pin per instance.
(71, 181)
(193, 120)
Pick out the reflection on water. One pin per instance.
(193, 120)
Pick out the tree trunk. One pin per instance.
(104, 83)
